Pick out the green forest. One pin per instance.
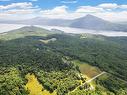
(49, 54)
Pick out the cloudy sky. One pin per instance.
(113, 10)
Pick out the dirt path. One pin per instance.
(95, 77)
(88, 81)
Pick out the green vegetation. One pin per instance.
(30, 55)
(25, 56)
(27, 31)
(111, 85)
(34, 87)
(107, 53)
(87, 69)
(11, 83)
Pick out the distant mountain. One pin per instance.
(46, 21)
(87, 22)
(95, 23)
(123, 23)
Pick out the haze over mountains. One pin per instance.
(87, 22)
(95, 23)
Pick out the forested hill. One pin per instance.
(27, 31)
(48, 55)
(107, 53)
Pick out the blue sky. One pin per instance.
(22, 9)
(48, 4)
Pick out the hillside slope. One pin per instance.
(26, 51)
(28, 55)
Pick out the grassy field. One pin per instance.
(87, 69)
(34, 87)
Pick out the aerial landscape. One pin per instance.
(63, 47)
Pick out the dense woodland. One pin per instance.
(27, 54)
(107, 53)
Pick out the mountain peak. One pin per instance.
(89, 18)
(94, 23)
(89, 15)
(92, 17)
(29, 27)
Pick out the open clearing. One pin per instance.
(49, 40)
(87, 69)
(34, 87)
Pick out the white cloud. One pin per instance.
(89, 9)
(24, 5)
(69, 1)
(55, 11)
(108, 5)
(21, 11)
(113, 16)
(112, 6)
(123, 6)
(84, 10)
(18, 10)
(25, 10)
